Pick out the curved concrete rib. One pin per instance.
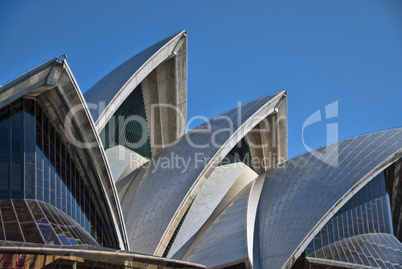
(166, 191)
(302, 194)
(224, 177)
(228, 240)
(268, 139)
(162, 72)
(123, 161)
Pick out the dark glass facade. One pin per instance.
(366, 212)
(35, 164)
(379, 250)
(124, 129)
(239, 153)
(38, 222)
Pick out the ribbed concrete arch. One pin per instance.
(53, 86)
(123, 161)
(224, 179)
(167, 192)
(161, 70)
(268, 139)
(229, 239)
(302, 194)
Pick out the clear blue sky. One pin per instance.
(318, 51)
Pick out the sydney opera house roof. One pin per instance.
(112, 178)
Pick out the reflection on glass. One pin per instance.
(36, 164)
(366, 212)
(40, 223)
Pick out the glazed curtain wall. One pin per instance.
(34, 164)
(38, 222)
(120, 130)
(369, 211)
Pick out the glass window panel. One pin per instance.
(359, 217)
(364, 260)
(372, 191)
(36, 211)
(376, 216)
(87, 210)
(341, 252)
(33, 153)
(58, 168)
(5, 138)
(46, 157)
(89, 239)
(106, 238)
(64, 197)
(330, 231)
(52, 160)
(381, 214)
(354, 222)
(39, 135)
(52, 185)
(346, 222)
(92, 212)
(11, 227)
(39, 174)
(23, 213)
(370, 225)
(46, 136)
(366, 212)
(48, 214)
(39, 155)
(104, 136)
(64, 240)
(337, 226)
(31, 232)
(57, 215)
(364, 219)
(29, 148)
(59, 184)
(7, 211)
(57, 229)
(46, 180)
(73, 241)
(52, 145)
(73, 232)
(64, 178)
(13, 232)
(66, 231)
(79, 234)
(73, 190)
(68, 183)
(324, 237)
(17, 150)
(48, 234)
(82, 202)
(78, 198)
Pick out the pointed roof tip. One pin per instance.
(27, 72)
(61, 58)
(270, 96)
(183, 32)
(110, 85)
